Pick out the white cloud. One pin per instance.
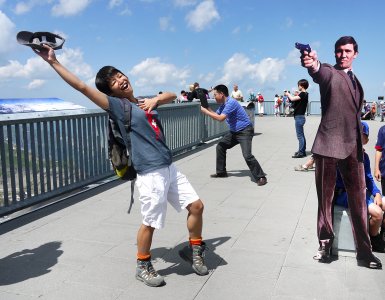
(164, 23)
(23, 7)
(236, 30)
(115, 3)
(152, 72)
(36, 83)
(269, 69)
(123, 7)
(7, 34)
(182, 3)
(37, 68)
(125, 12)
(203, 15)
(14, 69)
(239, 67)
(69, 7)
(293, 57)
(207, 78)
(288, 22)
(73, 60)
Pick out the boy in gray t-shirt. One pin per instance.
(158, 180)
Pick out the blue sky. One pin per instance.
(168, 44)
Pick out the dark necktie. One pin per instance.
(351, 75)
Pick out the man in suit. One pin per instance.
(338, 143)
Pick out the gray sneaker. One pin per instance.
(145, 272)
(195, 255)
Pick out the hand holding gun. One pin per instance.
(303, 47)
(309, 59)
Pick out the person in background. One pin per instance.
(237, 94)
(373, 110)
(373, 198)
(300, 105)
(382, 110)
(260, 101)
(286, 104)
(182, 97)
(365, 115)
(379, 166)
(241, 132)
(189, 96)
(199, 93)
(276, 105)
(309, 165)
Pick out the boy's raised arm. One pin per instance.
(48, 54)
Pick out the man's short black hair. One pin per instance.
(222, 89)
(103, 77)
(344, 41)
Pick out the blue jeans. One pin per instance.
(300, 121)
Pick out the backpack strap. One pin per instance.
(124, 123)
(127, 109)
(120, 123)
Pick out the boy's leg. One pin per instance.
(195, 219)
(144, 270)
(375, 221)
(382, 231)
(153, 209)
(181, 195)
(195, 251)
(144, 239)
(376, 216)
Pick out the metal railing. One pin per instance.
(46, 154)
(49, 153)
(314, 108)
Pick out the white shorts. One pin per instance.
(158, 187)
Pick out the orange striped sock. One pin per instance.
(197, 241)
(141, 256)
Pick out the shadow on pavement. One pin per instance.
(29, 263)
(180, 266)
(239, 173)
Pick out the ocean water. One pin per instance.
(21, 105)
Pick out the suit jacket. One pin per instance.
(340, 129)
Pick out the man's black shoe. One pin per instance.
(372, 263)
(377, 243)
(219, 175)
(299, 155)
(261, 181)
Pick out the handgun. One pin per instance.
(303, 47)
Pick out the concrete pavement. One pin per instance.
(261, 239)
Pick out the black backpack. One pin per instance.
(118, 151)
